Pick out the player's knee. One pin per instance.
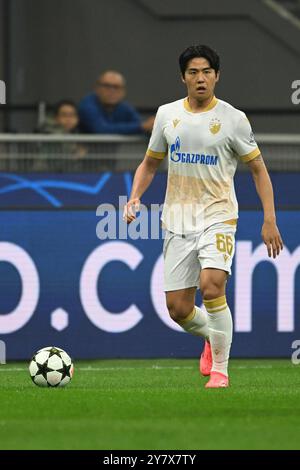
(179, 310)
(212, 290)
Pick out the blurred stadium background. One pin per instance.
(60, 284)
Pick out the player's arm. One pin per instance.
(157, 150)
(142, 180)
(270, 233)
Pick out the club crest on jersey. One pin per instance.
(215, 125)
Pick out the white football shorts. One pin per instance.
(185, 256)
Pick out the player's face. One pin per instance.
(200, 79)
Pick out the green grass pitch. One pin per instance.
(153, 404)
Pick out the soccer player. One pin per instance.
(204, 137)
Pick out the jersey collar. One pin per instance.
(210, 106)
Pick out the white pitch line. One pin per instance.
(87, 369)
(253, 367)
(103, 369)
(97, 369)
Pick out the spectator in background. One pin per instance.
(64, 122)
(65, 119)
(106, 112)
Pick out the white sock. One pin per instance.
(220, 332)
(196, 323)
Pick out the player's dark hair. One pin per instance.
(62, 103)
(199, 51)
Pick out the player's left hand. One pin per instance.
(272, 239)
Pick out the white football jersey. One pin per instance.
(203, 150)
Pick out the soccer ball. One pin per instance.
(51, 367)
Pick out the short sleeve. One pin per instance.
(244, 144)
(158, 146)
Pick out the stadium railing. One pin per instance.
(76, 153)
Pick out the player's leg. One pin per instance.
(212, 285)
(182, 309)
(181, 278)
(216, 251)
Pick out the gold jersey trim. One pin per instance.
(250, 156)
(158, 155)
(210, 106)
(230, 222)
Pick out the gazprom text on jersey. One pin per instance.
(194, 158)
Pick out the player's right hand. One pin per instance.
(130, 210)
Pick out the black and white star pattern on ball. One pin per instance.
(43, 369)
(54, 351)
(51, 367)
(65, 371)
